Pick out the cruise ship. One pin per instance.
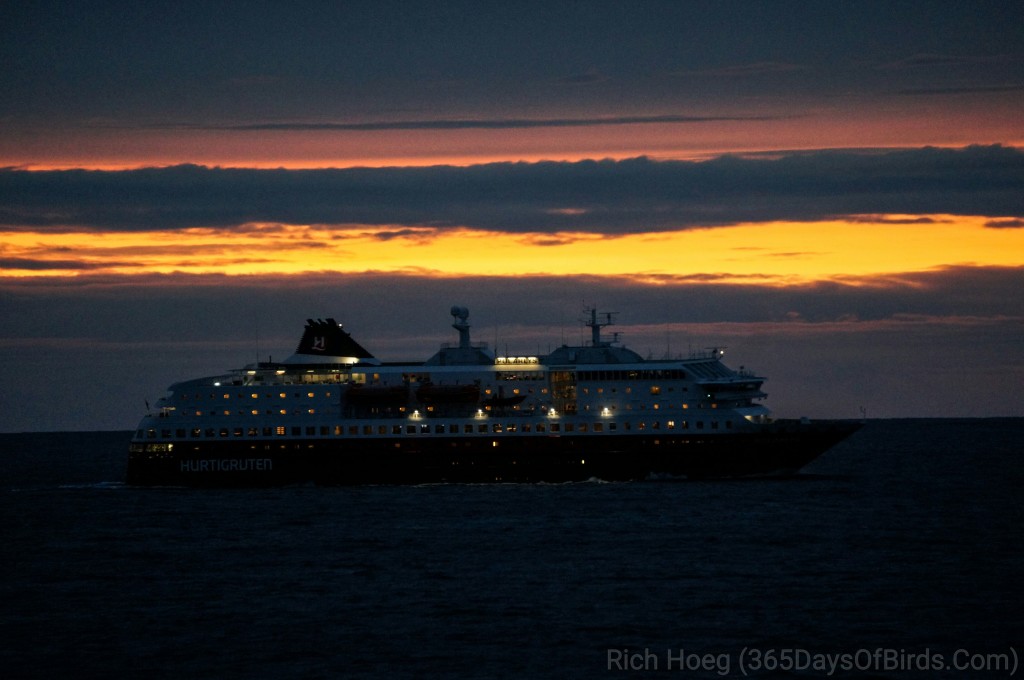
(333, 414)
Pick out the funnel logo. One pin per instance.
(319, 343)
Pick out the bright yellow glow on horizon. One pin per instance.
(778, 253)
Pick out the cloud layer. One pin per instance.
(606, 197)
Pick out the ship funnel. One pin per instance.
(326, 342)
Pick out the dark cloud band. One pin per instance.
(473, 124)
(603, 197)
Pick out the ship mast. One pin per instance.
(461, 324)
(596, 326)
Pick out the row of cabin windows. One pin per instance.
(305, 378)
(526, 375)
(421, 428)
(653, 389)
(659, 374)
(647, 374)
(312, 411)
(296, 395)
(252, 395)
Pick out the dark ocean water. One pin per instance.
(905, 540)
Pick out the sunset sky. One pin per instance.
(834, 191)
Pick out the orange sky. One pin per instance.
(108, 144)
(774, 252)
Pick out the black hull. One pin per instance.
(777, 449)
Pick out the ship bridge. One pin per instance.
(598, 351)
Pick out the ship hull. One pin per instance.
(780, 448)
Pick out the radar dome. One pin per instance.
(460, 312)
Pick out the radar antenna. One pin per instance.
(596, 326)
(461, 314)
